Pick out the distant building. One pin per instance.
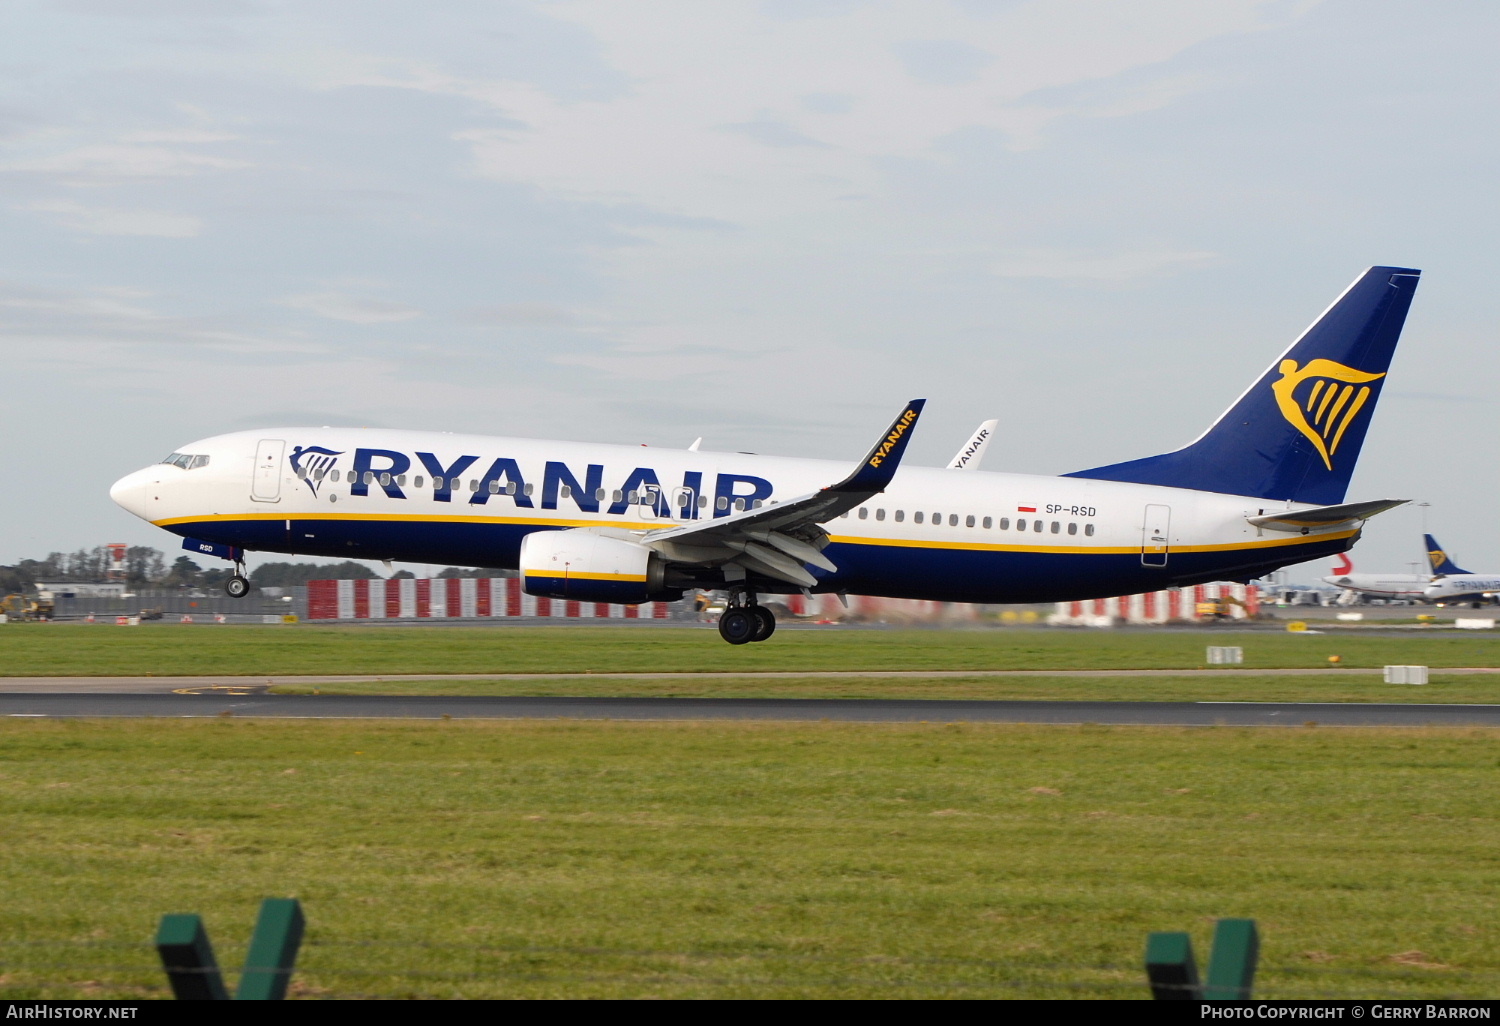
(51, 591)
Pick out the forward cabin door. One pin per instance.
(1154, 534)
(265, 486)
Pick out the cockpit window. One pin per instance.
(186, 461)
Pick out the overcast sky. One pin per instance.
(767, 222)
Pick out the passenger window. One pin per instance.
(1056, 527)
(900, 515)
(599, 494)
(369, 477)
(633, 498)
(937, 520)
(510, 488)
(385, 479)
(528, 489)
(880, 514)
(864, 514)
(335, 477)
(618, 495)
(401, 480)
(988, 523)
(969, 521)
(758, 503)
(1088, 530)
(1020, 525)
(416, 482)
(844, 515)
(473, 484)
(703, 502)
(437, 482)
(1072, 528)
(566, 491)
(1005, 523)
(723, 502)
(917, 517)
(952, 519)
(494, 487)
(739, 505)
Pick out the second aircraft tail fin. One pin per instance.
(1442, 566)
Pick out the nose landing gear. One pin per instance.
(744, 620)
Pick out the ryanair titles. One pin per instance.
(892, 440)
(462, 480)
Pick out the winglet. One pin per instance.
(973, 451)
(880, 463)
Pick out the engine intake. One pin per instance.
(584, 566)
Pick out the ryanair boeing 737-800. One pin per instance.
(1261, 489)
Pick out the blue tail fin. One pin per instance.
(1442, 566)
(1295, 435)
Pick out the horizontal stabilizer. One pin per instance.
(1323, 518)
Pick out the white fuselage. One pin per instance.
(934, 533)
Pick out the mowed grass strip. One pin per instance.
(570, 859)
(1345, 686)
(174, 649)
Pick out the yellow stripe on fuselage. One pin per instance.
(905, 543)
(573, 575)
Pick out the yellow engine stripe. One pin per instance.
(574, 576)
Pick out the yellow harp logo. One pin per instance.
(1324, 411)
(1436, 558)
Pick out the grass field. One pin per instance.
(168, 650)
(486, 859)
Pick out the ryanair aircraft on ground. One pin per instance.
(1454, 586)
(1261, 489)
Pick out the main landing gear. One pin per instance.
(238, 586)
(744, 621)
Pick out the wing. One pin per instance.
(779, 540)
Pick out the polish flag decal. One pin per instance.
(1025, 509)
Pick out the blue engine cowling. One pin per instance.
(584, 566)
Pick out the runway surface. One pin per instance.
(243, 702)
(148, 685)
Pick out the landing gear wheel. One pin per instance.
(237, 587)
(765, 623)
(738, 626)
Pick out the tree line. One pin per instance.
(146, 567)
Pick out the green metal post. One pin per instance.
(1231, 967)
(188, 959)
(273, 951)
(1170, 967)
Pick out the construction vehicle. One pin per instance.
(1219, 609)
(19, 607)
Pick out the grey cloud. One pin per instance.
(517, 314)
(160, 8)
(828, 103)
(943, 61)
(340, 306)
(772, 133)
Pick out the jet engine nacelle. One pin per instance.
(588, 567)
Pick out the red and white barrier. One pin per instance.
(1173, 604)
(454, 598)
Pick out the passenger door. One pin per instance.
(265, 486)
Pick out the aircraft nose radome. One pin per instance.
(129, 493)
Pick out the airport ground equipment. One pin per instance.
(19, 607)
(187, 956)
(1231, 966)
